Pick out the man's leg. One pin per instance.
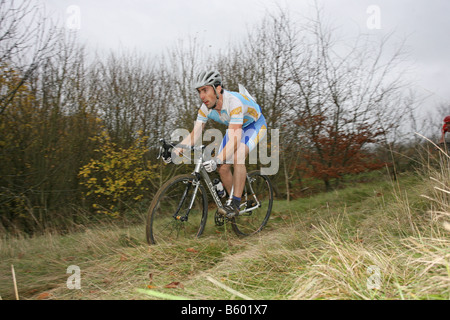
(250, 139)
(236, 180)
(226, 176)
(225, 169)
(240, 170)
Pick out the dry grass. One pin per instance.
(337, 245)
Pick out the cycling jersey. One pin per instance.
(237, 108)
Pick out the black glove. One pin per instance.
(167, 154)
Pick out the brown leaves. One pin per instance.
(174, 285)
(151, 286)
(44, 296)
(334, 149)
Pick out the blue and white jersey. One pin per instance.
(237, 108)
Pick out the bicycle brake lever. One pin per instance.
(161, 147)
(160, 153)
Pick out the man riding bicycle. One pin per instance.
(246, 126)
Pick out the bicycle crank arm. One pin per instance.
(249, 209)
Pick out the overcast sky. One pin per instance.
(151, 26)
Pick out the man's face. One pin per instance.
(208, 96)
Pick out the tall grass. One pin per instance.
(380, 240)
(336, 248)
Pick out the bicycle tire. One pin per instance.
(161, 226)
(253, 222)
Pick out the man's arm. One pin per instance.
(193, 137)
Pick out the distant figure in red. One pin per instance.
(445, 129)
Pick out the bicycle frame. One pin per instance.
(200, 173)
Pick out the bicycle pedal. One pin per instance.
(219, 219)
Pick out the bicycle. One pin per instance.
(179, 209)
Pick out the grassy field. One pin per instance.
(376, 240)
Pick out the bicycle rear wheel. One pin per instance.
(254, 221)
(166, 216)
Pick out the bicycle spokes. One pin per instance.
(258, 199)
(178, 212)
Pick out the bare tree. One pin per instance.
(26, 39)
(344, 93)
(187, 58)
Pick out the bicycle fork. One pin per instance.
(185, 217)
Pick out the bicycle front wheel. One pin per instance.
(253, 221)
(169, 218)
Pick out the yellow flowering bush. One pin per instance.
(118, 176)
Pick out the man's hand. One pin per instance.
(166, 155)
(211, 165)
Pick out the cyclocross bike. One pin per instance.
(179, 209)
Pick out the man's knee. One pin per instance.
(224, 168)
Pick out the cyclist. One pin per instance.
(445, 129)
(246, 126)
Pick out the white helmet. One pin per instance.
(208, 78)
